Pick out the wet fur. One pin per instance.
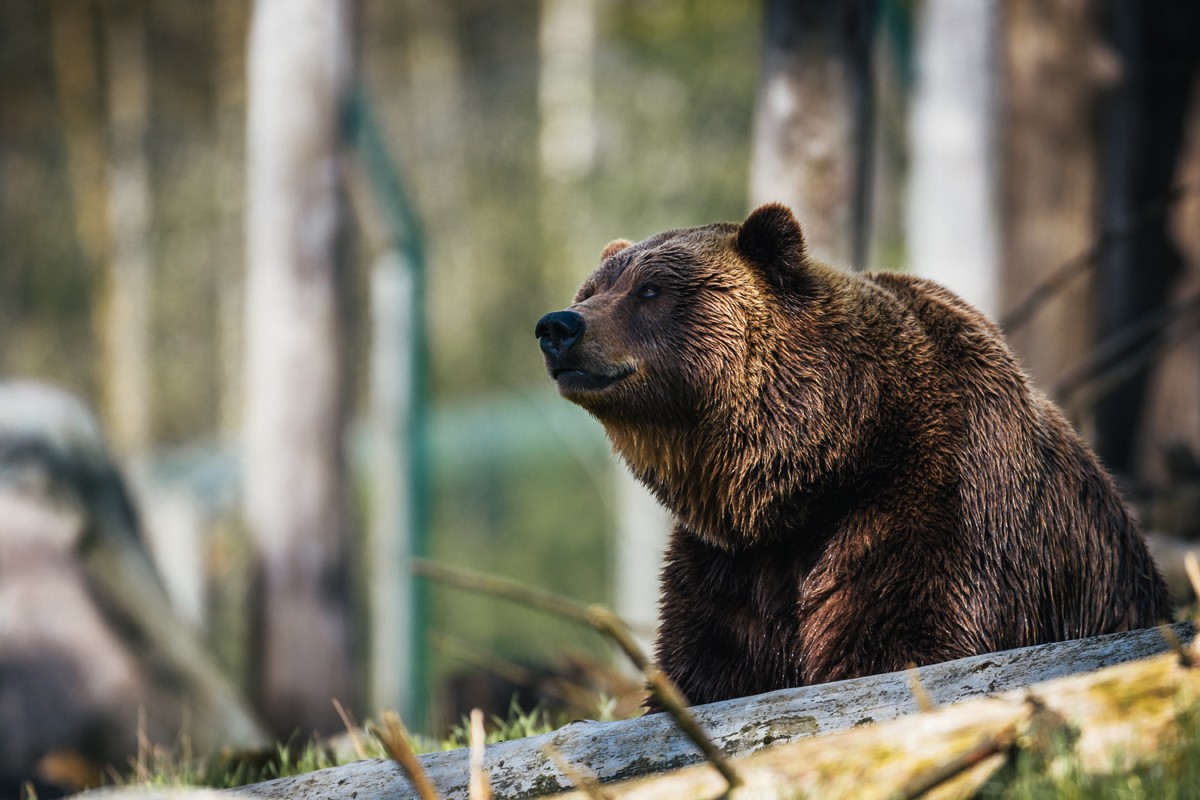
(861, 475)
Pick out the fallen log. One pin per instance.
(618, 750)
(1104, 721)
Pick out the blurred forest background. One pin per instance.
(1042, 158)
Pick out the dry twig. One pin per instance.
(351, 728)
(1185, 658)
(675, 704)
(602, 620)
(394, 739)
(479, 788)
(557, 686)
(1192, 565)
(924, 701)
(1120, 356)
(926, 782)
(506, 588)
(1081, 263)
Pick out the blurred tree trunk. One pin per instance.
(892, 77)
(1143, 138)
(566, 135)
(76, 75)
(127, 286)
(229, 45)
(430, 75)
(80, 105)
(951, 220)
(1054, 70)
(1172, 415)
(813, 129)
(299, 70)
(111, 195)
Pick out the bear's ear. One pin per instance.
(771, 239)
(613, 247)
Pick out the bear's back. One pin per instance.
(1047, 523)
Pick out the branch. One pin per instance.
(600, 619)
(1081, 263)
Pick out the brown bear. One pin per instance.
(861, 474)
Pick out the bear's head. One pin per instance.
(657, 328)
(688, 347)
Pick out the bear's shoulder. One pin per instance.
(944, 315)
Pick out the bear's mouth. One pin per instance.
(574, 379)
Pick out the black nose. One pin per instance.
(558, 330)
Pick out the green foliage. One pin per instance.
(517, 725)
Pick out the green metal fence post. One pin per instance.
(399, 662)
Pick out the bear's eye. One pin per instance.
(648, 291)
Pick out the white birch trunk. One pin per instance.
(952, 195)
(299, 68)
(566, 102)
(566, 137)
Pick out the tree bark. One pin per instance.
(126, 294)
(813, 127)
(1171, 415)
(76, 76)
(231, 18)
(1143, 138)
(299, 69)
(1054, 70)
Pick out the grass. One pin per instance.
(1058, 775)
(161, 767)
(175, 767)
(518, 725)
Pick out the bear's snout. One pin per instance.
(557, 331)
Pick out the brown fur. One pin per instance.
(861, 475)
